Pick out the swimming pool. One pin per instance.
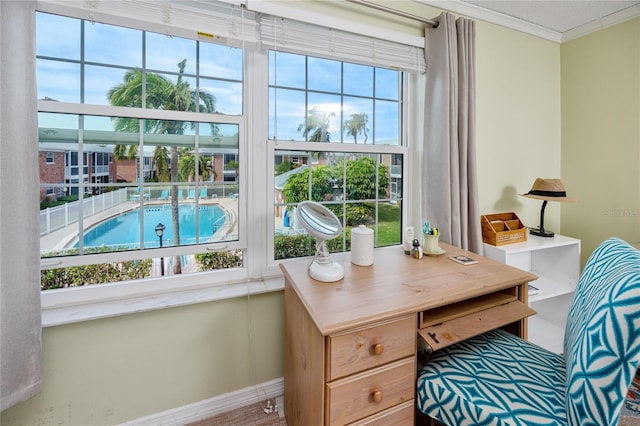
(124, 230)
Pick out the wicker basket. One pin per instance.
(502, 228)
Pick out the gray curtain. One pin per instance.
(449, 182)
(20, 326)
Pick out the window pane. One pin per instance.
(322, 75)
(164, 53)
(286, 114)
(124, 220)
(387, 123)
(57, 36)
(387, 84)
(356, 126)
(287, 70)
(358, 80)
(227, 95)
(323, 118)
(218, 61)
(99, 82)
(104, 44)
(341, 103)
(136, 269)
(358, 188)
(109, 187)
(59, 81)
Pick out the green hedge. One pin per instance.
(219, 260)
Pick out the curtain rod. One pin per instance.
(395, 12)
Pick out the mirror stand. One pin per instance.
(323, 224)
(323, 268)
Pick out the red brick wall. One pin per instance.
(51, 172)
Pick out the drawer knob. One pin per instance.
(378, 348)
(376, 396)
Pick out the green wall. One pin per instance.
(518, 121)
(601, 135)
(108, 371)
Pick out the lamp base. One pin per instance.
(326, 272)
(540, 232)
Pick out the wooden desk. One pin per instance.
(350, 346)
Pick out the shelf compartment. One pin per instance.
(550, 288)
(447, 313)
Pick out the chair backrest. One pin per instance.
(602, 338)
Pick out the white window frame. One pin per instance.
(260, 272)
(55, 302)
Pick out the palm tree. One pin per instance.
(187, 166)
(160, 93)
(355, 125)
(161, 161)
(316, 127)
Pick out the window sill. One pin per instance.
(62, 315)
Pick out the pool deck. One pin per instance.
(64, 237)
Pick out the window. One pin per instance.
(50, 158)
(150, 135)
(329, 102)
(156, 187)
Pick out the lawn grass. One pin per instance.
(389, 225)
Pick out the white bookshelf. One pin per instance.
(556, 261)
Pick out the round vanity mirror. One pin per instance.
(321, 223)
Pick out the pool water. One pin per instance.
(124, 230)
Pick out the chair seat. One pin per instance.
(494, 379)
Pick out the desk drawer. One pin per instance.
(400, 415)
(477, 321)
(368, 347)
(361, 395)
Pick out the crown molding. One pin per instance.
(605, 22)
(476, 12)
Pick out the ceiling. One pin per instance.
(553, 19)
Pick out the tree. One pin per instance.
(361, 179)
(355, 125)
(187, 166)
(233, 165)
(161, 161)
(160, 93)
(316, 127)
(296, 189)
(284, 167)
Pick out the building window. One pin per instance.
(326, 102)
(151, 204)
(50, 158)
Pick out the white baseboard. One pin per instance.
(211, 407)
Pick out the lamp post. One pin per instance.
(160, 232)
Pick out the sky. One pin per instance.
(110, 51)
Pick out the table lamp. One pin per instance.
(547, 190)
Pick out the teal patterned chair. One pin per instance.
(499, 379)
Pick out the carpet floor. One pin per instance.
(251, 415)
